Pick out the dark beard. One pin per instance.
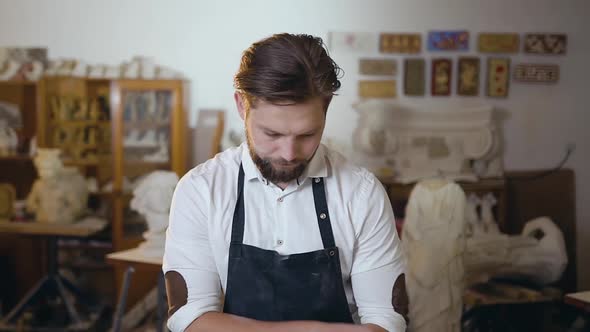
(275, 175)
(269, 172)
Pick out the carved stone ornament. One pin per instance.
(410, 144)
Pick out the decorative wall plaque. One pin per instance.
(538, 43)
(448, 40)
(441, 77)
(498, 77)
(377, 67)
(533, 72)
(414, 77)
(400, 43)
(352, 41)
(498, 42)
(468, 76)
(377, 89)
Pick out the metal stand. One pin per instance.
(160, 302)
(118, 317)
(52, 284)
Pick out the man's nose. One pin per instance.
(290, 150)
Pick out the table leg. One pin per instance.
(118, 317)
(160, 305)
(69, 305)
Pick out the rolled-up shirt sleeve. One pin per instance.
(188, 253)
(377, 258)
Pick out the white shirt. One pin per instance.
(201, 214)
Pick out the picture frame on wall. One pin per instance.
(498, 42)
(378, 67)
(468, 76)
(410, 43)
(498, 77)
(536, 73)
(442, 69)
(377, 89)
(414, 77)
(545, 43)
(353, 42)
(448, 40)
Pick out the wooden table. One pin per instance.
(580, 300)
(493, 306)
(84, 228)
(52, 282)
(135, 258)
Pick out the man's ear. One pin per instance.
(240, 104)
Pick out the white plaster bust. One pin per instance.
(152, 198)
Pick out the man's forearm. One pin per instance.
(220, 322)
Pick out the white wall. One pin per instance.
(204, 39)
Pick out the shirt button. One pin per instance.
(279, 242)
(280, 199)
(317, 180)
(323, 216)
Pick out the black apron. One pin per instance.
(267, 286)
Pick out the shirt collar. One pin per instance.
(250, 169)
(317, 167)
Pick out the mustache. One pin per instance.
(283, 162)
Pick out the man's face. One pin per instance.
(282, 139)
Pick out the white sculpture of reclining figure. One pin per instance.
(538, 254)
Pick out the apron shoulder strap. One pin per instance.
(237, 228)
(321, 209)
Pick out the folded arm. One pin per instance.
(220, 322)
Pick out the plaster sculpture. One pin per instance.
(10, 120)
(8, 139)
(33, 71)
(487, 217)
(537, 255)
(161, 154)
(152, 198)
(434, 241)
(8, 70)
(52, 67)
(473, 222)
(461, 144)
(60, 194)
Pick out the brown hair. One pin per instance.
(287, 68)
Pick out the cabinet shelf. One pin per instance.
(72, 162)
(18, 83)
(61, 123)
(142, 163)
(17, 157)
(146, 125)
